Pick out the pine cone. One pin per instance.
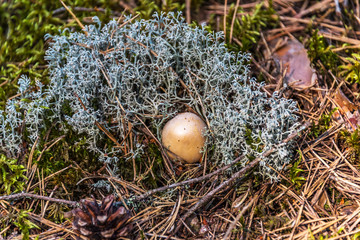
(106, 221)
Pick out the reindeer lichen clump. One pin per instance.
(151, 70)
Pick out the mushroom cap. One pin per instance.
(183, 137)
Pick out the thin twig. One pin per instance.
(4, 83)
(233, 20)
(30, 195)
(190, 181)
(225, 6)
(188, 9)
(74, 16)
(78, 9)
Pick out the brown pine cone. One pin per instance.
(105, 221)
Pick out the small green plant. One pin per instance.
(356, 236)
(323, 124)
(319, 50)
(22, 29)
(352, 69)
(352, 140)
(295, 172)
(24, 224)
(247, 27)
(12, 178)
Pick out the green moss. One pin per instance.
(23, 25)
(352, 68)
(22, 29)
(12, 178)
(247, 28)
(320, 51)
(352, 141)
(295, 172)
(274, 222)
(24, 224)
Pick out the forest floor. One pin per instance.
(304, 50)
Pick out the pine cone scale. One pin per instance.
(105, 221)
(120, 212)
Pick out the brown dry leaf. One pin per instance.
(294, 60)
(347, 111)
(348, 210)
(323, 199)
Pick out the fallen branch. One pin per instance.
(190, 181)
(30, 195)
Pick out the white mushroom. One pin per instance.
(183, 137)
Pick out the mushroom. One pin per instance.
(183, 137)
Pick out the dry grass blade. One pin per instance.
(74, 16)
(233, 20)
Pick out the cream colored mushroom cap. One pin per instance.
(183, 136)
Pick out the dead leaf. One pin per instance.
(319, 200)
(348, 210)
(294, 60)
(347, 111)
(323, 199)
(343, 102)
